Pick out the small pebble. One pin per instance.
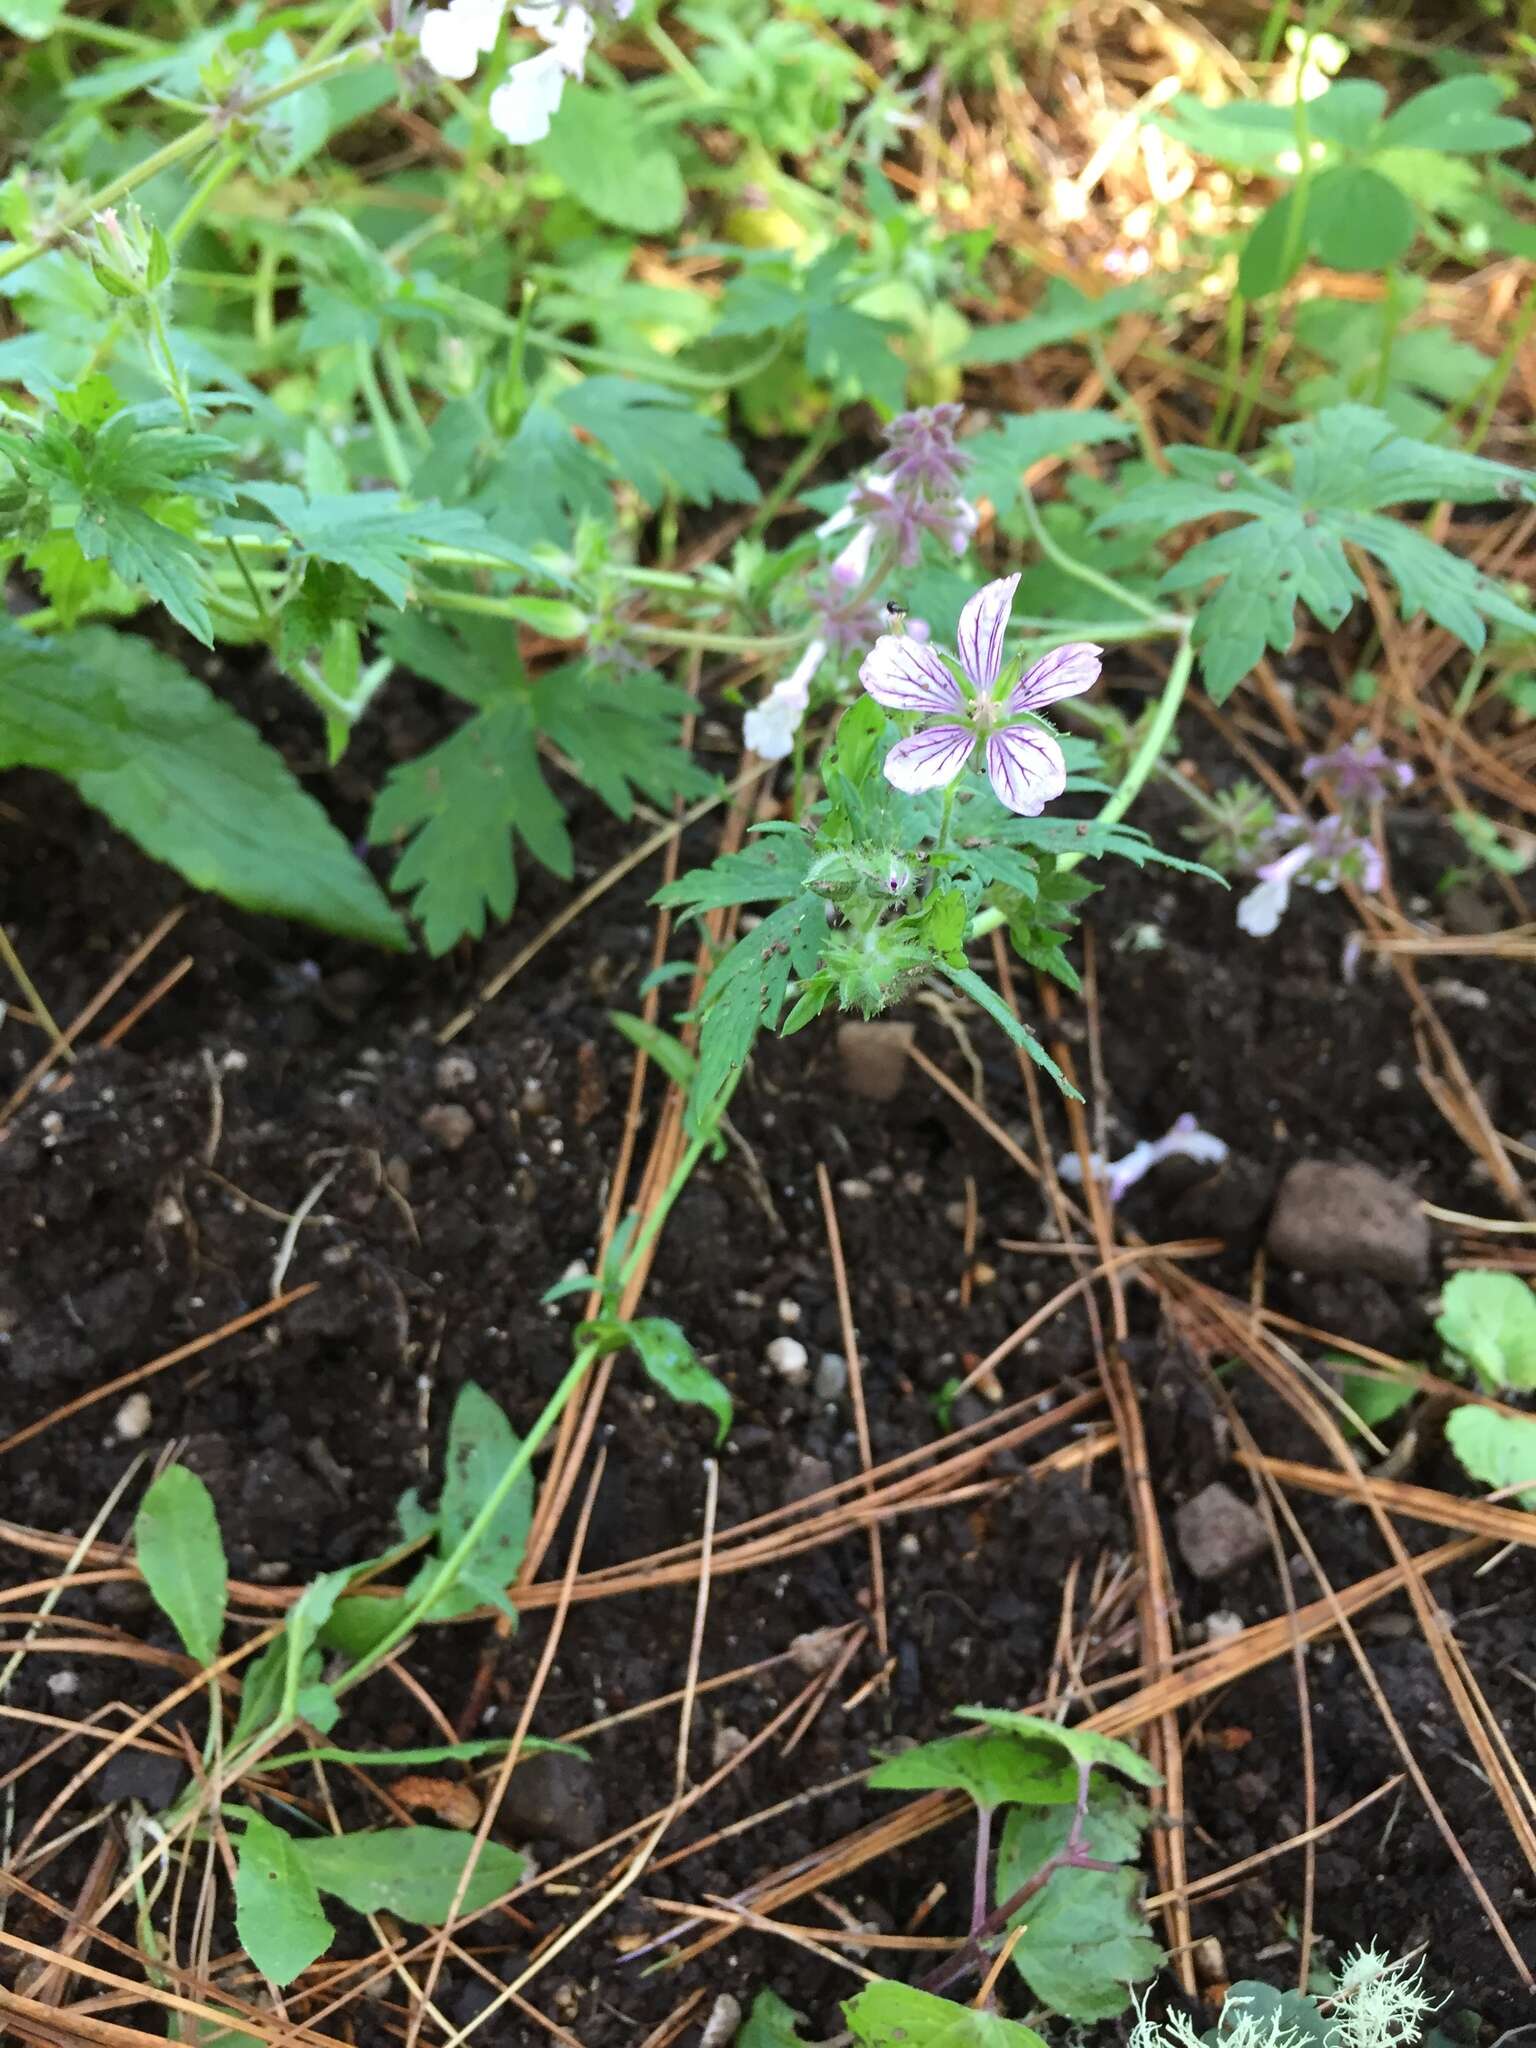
(723, 2024)
(1210, 1963)
(816, 1651)
(62, 1683)
(789, 1312)
(449, 1124)
(1223, 1625)
(728, 1742)
(910, 1545)
(790, 1360)
(855, 1190)
(133, 1419)
(455, 1070)
(831, 1376)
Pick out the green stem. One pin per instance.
(379, 413)
(1105, 585)
(796, 473)
(1236, 324)
(682, 66)
(173, 153)
(717, 643)
(219, 172)
(35, 1003)
(1499, 375)
(1110, 379)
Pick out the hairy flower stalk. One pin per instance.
(1023, 758)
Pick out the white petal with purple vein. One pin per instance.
(1026, 768)
(1065, 672)
(980, 636)
(929, 759)
(905, 676)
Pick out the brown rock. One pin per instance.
(448, 1124)
(1218, 1533)
(874, 1058)
(1349, 1219)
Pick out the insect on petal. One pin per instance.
(1065, 672)
(979, 636)
(905, 676)
(1026, 768)
(929, 759)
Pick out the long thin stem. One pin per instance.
(1150, 748)
(1094, 578)
(983, 1866)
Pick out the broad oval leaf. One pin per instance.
(669, 1360)
(1499, 1450)
(278, 1915)
(183, 776)
(1490, 1320)
(887, 2015)
(412, 1871)
(1086, 1938)
(1082, 1745)
(178, 1549)
(1357, 219)
(993, 1770)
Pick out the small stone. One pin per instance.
(448, 1124)
(789, 1313)
(1218, 1533)
(1223, 1625)
(140, 1774)
(790, 1360)
(831, 1377)
(728, 1742)
(723, 2024)
(63, 1683)
(455, 1072)
(1210, 1963)
(1349, 1219)
(133, 1419)
(873, 1058)
(855, 1190)
(910, 1545)
(1390, 1076)
(808, 1476)
(556, 1798)
(816, 1651)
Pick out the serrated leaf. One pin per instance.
(1001, 456)
(1086, 1940)
(986, 998)
(278, 1915)
(1346, 467)
(890, 2015)
(184, 776)
(375, 534)
(1490, 1320)
(178, 1550)
(1498, 1450)
(605, 160)
(746, 990)
(1083, 1745)
(991, 1770)
(769, 870)
(413, 1872)
(1249, 135)
(657, 443)
(670, 1360)
(771, 2024)
(460, 806)
(1065, 314)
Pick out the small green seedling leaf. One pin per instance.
(993, 1770)
(1086, 1938)
(669, 1053)
(1082, 1745)
(770, 2024)
(275, 1686)
(481, 1445)
(413, 1872)
(1373, 1400)
(278, 1915)
(1489, 1319)
(1499, 1450)
(178, 1549)
(669, 1360)
(887, 2015)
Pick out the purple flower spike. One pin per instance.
(922, 454)
(1361, 771)
(1024, 761)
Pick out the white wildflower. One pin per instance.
(524, 104)
(769, 728)
(454, 38)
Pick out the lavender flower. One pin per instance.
(455, 37)
(1322, 854)
(847, 617)
(1361, 771)
(1024, 762)
(912, 488)
(1183, 1140)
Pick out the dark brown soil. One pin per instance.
(140, 1207)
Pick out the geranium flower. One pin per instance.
(1024, 762)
